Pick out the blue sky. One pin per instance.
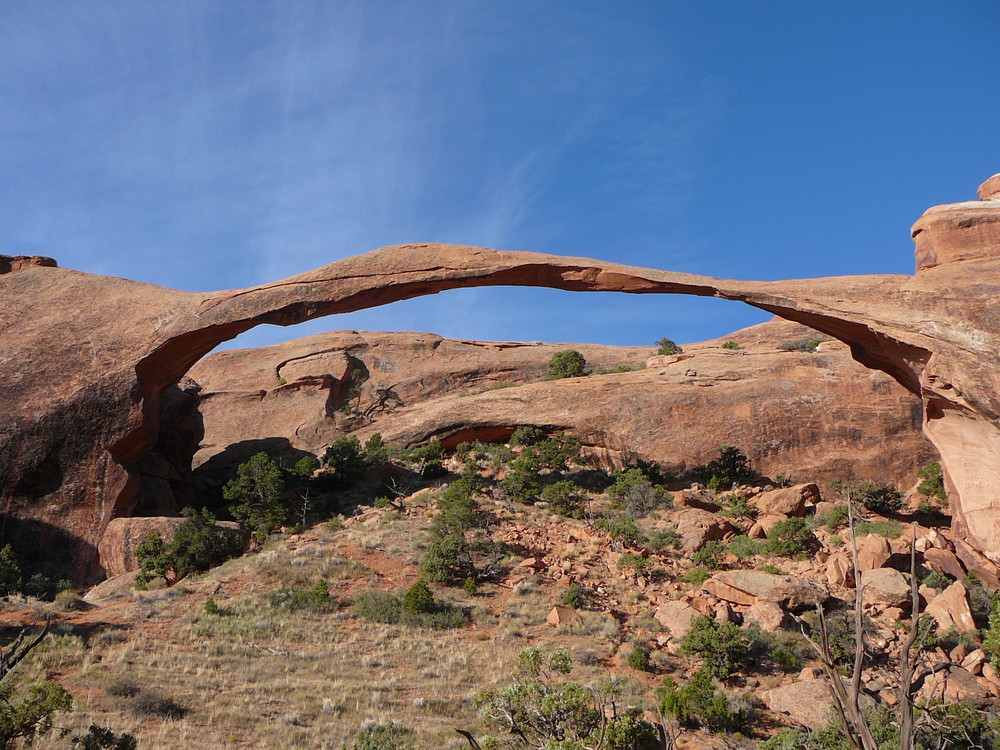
(212, 145)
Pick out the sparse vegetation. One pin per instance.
(666, 346)
(932, 481)
(567, 364)
(730, 344)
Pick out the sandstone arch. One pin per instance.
(85, 357)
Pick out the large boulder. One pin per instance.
(886, 586)
(695, 527)
(749, 586)
(788, 501)
(805, 702)
(950, 609)
(123, 535)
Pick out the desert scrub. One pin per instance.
(888, 529)
(622, 529)
(789, 537)
(744, 548)
(709, 556)
(316, 599)
(393, 608)
(664, 539)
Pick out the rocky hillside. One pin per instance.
(691, 601)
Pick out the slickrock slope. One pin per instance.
(85, 357)
(820, 414)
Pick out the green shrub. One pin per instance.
(565, 498)
(418, 598)
(723, 647)
(447, 559)
(699, 703)
(540, 711)
(469, 587)
(739, 507)
(932, 481)
(697, 576)
(772, 569)
(833, 519)
(525, 435)
(637, 494)
(255, 495)
(102, 738)
(709, 555)
(664, 539)
(555, 453)
(638, 657)
(799, 345)
(316, 599)
(668, 347)
(637, 563)
(730, 345)
(888, 529)
(375, 452)
(10, 572)
(789, 537)
(731, 467)
(422, 454)
(567, 364)
(879, 498)
(388, 607)
(744, 548)
(27, 713)
(198, 544)
(388, 736)
(575, 596)
(991, 641)
(344, 459)
(521, 483)
(622, 529)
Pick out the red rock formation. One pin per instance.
(86, 357)
(819, 414)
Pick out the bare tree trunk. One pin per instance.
(907, 658)
(19, 649)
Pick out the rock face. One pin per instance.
(820, 413)
(86, 358)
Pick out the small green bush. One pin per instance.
(699, 703)
(565, 498)
(622, 529)
(888, 529)
(731, 467)
(469, 587)
(638, 657)
(316, 599)
(932, 481)
(789, 537)
(709, 555)
(730, 345)
(375, 452)
(344, 459)
(739, 507)
(878, 498)
(418, 598)
(697, 576)
(256, 495)
(744, 548)
(833, 519)
(388, 736)
(567, 364)
(102, 738)
(447, 559)
(575, 596)
(637, 563)
(637, 494)
(664, 539)
(525, 436)
(800, 345)
(723, 647)
(388, 607)
(668, 347)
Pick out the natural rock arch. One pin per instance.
(86, 357)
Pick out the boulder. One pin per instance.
(560, 615)
(695, 527)
(749, 586)
(805, 702)
(950, 609)
(943, 561)
(874, 552)
(790, 501)
(676, 617)
(840, 570)
(770, 616)
(886, 586)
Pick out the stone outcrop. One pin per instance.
(819, 413)
(86, 357)
(747, 587)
